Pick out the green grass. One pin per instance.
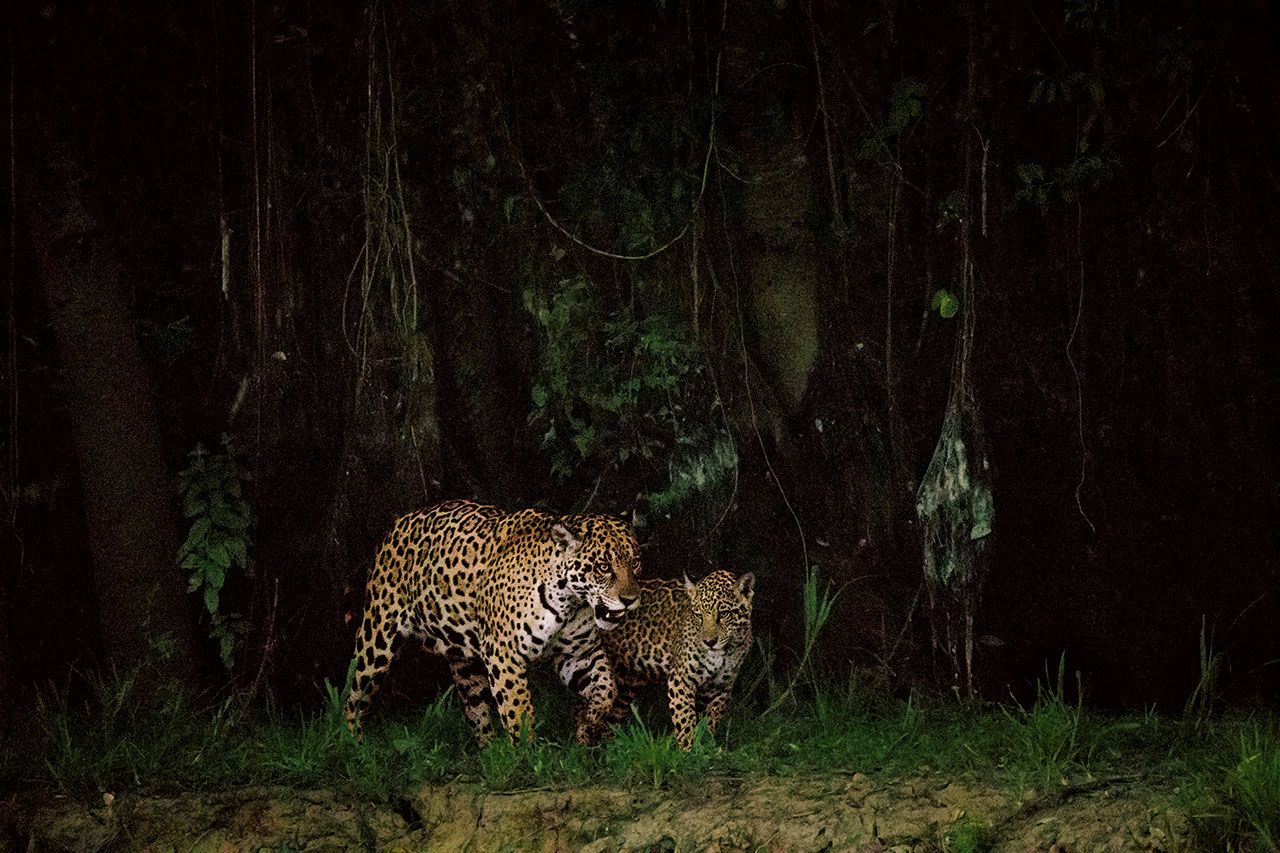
(1234, 802)
(1226, 770)
(968, 835)
(639, 754)
(1222, 772)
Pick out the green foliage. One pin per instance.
(1084, 172)
(906, 106)
(1071, 180)
(620, 386)
(1068, 88)
(1091, 15)
(610, 195)
(952, 208)
(695, 469)
(116, 737)
(121, 734)
(945, 303)
(168, 341)
(1034, 186)
(217, 544)
(637, 168)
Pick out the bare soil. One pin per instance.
(820, 813)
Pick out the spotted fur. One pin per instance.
(691, 636)
(488, 589)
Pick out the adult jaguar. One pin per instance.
(488, 589)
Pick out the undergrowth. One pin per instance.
(1222, 772)
(116, 738)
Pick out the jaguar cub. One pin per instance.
(692, 636)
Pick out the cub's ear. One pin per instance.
(747, 585)
(565, 538)
(688, 584)
(628, 516)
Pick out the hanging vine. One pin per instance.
(954, 501)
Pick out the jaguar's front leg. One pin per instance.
(716, 706)
(509, 683)
(684, 716)
(584, 669)
(602, 694)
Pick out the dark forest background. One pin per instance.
(278, 272)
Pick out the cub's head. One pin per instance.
(720, 615)
(602, 561)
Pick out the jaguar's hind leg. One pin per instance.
(375, 649)
(472, 683)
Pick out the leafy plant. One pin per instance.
(1067, 88)
(121, 733)
(169, 341)
(1083, 172)
(217, 544)
(1034, 186)
(528, 761)
(695, 469)
(622, 386)
(906, 106)
(951, 208)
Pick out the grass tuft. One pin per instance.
(818, 604)
(639, 755)
(507, 765)
(1050, 739)
(1238, 804)
(968, 835)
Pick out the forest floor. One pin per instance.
(836, 770)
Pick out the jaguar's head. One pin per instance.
(720, 615)
(602, 562)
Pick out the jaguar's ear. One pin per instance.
(628, 516)
(565, 539)
(688, 584)
(747, 585)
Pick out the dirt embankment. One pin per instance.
(841, 813)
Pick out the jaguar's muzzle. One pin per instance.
(608, 617)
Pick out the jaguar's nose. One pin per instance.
(711, 644)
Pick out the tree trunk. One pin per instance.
(128, 496)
